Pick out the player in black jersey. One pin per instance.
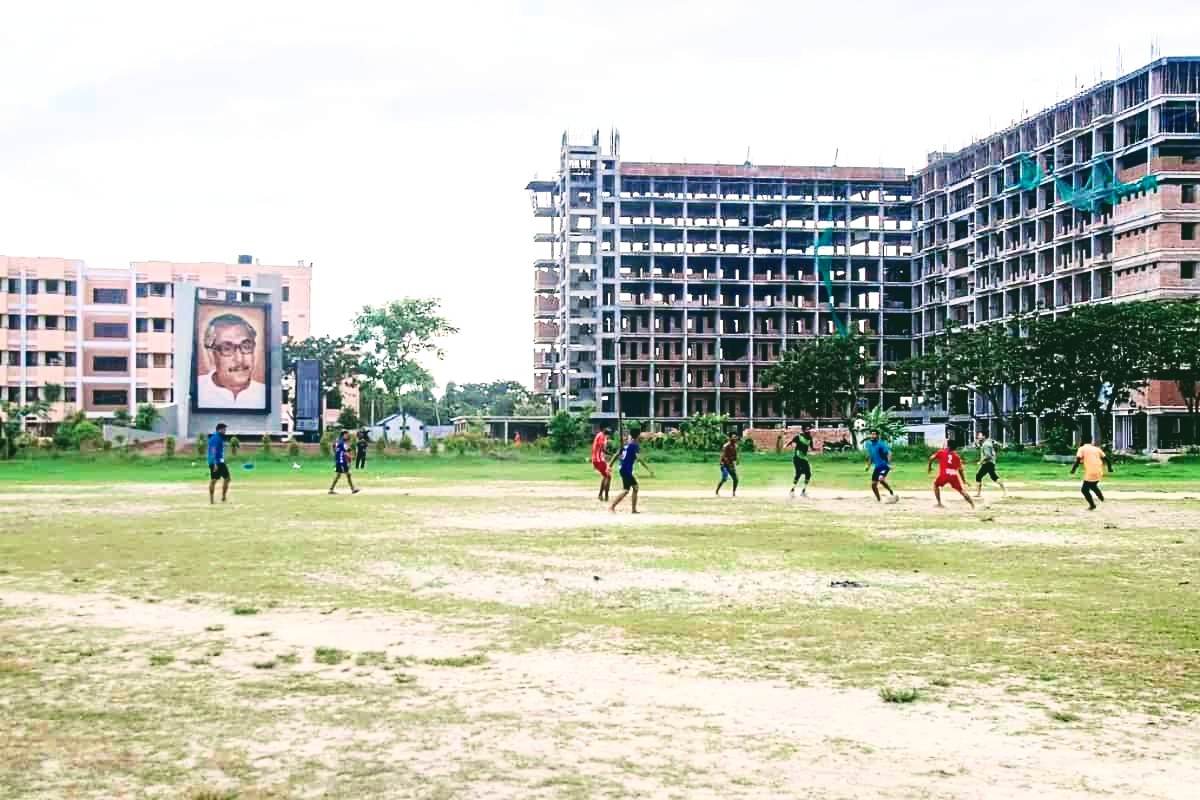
(800, 445)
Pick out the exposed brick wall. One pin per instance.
(765, 438)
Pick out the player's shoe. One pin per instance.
(893, 498)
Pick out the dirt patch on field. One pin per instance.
(583, 720)
(600, 519)
(1001, 537)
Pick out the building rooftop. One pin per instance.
(672, 169)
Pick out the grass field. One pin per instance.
(476, 628)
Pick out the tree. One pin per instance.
(704, 432)
(890, 427)
(121, 417)
(499, 398)
(147, 415)
(983, 360)
(1176, 351)
(14, 423)
(337, 355)
(567, 431)
(823, 377)
(348, 420)
(393, 338)
(1089, 361)
(52, 392)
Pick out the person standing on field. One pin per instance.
(362, 442)
(341, 462)
(1093, 460)
(218, 470)
(950, 471)
(729, 456)
(879, 461)
(987, 463)
(800, 445)
(600, 462)
(629, 456)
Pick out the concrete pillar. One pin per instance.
(506, 430)
(1151, 432)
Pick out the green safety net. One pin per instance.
(825, 270)
(1102, 187)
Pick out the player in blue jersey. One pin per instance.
(629, 456)
(879, 461)
(341, 462)
(217, 468)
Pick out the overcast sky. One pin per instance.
(389, 143)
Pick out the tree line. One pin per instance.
(1089, 361)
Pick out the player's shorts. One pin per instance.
(880, 472)
(341, 469)
(602, 467)
(728, 472)
(986, 469)
(218, 471)
(951, 480)
(803, 470)
(628, 481)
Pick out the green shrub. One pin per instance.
(170, 445)
(326, 443)
(293, 449)
(265, 445)
(567, 431)
(380, 447)
(746, 445)
(106, 446)
(88, 432)
(118, 440)
(201, 445)
(235, 444)
(434, 447)
(406, 443)
(1058, 440)
(704, 432)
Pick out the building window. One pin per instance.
(54, 359)
(141, 360)
(31, 394)
(1187, 193)
(1187, 231)
(160, 360)
(158, 290)
(110, 364)
(245, 283)
(14, 321)
(14, 287)
(161, 395)
(69, 358)
(31, 358)
(31, 322)
(14, 394)
(287, 294)
(110, 397)
(118, 297)
(70, 323)
(143, 290)
(285, 328)
(69, 288)
(51, 322)
(111, 330)
(141, 395)
(69, 394)
(1187, 270)
(31, 286)
(51, 286)
(160, 325)
(141, 325)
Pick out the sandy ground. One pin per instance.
(664, 728)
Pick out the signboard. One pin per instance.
(231, 369)
(308, 395)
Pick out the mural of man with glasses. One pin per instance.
(232, 344)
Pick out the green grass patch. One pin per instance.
(330, 655)
(889, 694)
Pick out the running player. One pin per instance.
(950, 471)
(987, 463)
(1094, 460)
(600, 462)
(729, 457)
(879, 461)
(629, 456)
(341, 462)
(800, 444)
(218, 470)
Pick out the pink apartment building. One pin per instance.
(106, 335)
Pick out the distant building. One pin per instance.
(395, 427)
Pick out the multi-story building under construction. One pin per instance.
(667, 289)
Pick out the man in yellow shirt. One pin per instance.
(1094, 460)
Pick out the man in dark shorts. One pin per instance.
(1094, 461)
(341, 462)
(800, 445)
(729, 456)
(879, 461)
(600, 462)
(360, 449)
(629, 456)
(218, 470)
(987, 463)
(950, 472)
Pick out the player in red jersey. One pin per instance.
(950, 471)
(600, 462)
